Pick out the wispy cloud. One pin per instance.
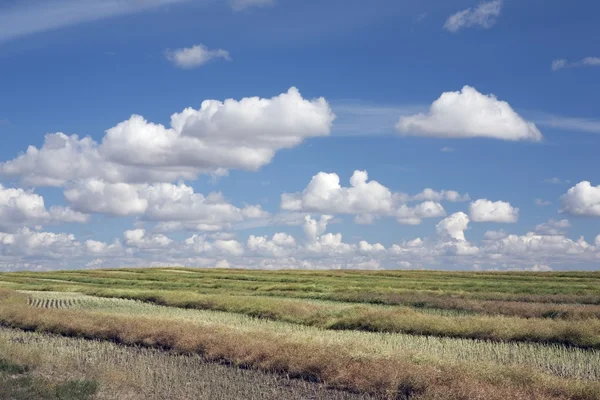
(239, 5)
(27, 17)
(563, 63)
(358, 118)
(557, 181)
(447, 149)
(195, 56)
(542, 202)
(589, 125)
(483, 15)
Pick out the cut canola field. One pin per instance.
(554, 359)
(389, 334)
(136, 373)
(584, 333)
(318, 356)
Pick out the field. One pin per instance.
(187, 333)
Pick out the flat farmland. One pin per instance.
(310, 334)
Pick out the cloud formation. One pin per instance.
(20, 208)
(563, 63)
(582, 199)
(484, 210)
(220, 135)
(469, 114)
(177, 207)
(195, 56)
(484, 16)
(366, 200)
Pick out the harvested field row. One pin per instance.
(137, 373)
(553, 359)
(400, 377)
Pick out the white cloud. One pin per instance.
(582, 199)
(239, 5)
(313, 228)
(103, 249)
(231, 247)
(279, 246)
(365, 199)
(325, 194)
(484, 210)
(331, 244)
(542, 202)
(444, 195)
(563, 63)
(553, 227)
(366, 247)
(232, 134)
(484, 16)
(412, 215)
(96, 196)
(541, 268)
(42, 245)
(533, 245)
(19, 208)
(447, 149)
(178, 207)
(468, 114)
(453, 227)
(452, 240)
(139, 238)
(195, 56)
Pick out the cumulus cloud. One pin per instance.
(96, 196)
(279, 245)
(42, 245)
(232, 134)
(325, 194)
(368, 248)
(582, 199)
(484, 210)
(178, 207)
(532, 245)
(331, 244)
(452, 240)
(195, 56)
(102, 249)
(453, 227)
(413, 215)
(484, 16)
(19, 208)
(313, 228)
(468, 114)
(366, 199)
(139, 238)
(563, 63)
(231, 247)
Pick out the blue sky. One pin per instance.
(494, 99)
